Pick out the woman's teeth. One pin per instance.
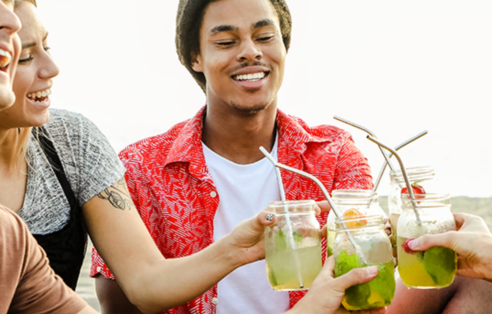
(39, 96)
(5, 58)
(253, 77)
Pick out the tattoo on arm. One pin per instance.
(117, 195)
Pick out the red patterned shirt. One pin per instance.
(176, 197)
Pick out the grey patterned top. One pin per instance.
(89, 162)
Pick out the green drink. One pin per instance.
(373, 244)
(293, 246)
(436, 267)
(379, 292)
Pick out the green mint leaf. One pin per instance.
(297, 238)
(385, 283)
(440, 264)
(340, 263)
(280, 241)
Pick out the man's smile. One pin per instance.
(254, 77)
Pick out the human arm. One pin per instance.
(142, 272)
(88, 310)
(326, 293)
(27, 283)
(472, 242)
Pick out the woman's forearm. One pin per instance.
(172, 282)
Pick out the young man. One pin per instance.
(194, 183)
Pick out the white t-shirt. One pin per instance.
(244, 190)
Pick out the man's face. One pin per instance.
(9, 52)
(242, 54)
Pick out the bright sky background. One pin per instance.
(396, 67)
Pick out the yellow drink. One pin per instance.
(282, 271)
(434, 268)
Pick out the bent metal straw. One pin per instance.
(290, 236)
(405, 176)
(323, 190)
(397, 148)
(360, 127)
(386, 157)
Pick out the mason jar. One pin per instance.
(349, 202)
(372, 248)
(436, 267)
(293, 246)
(423, 177)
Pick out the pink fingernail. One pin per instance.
(371, 271)
(412, 244)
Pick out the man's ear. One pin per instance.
(197, 64)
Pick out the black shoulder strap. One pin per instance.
(49, 149)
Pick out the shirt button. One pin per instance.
(215, 301)
(213, 194)
(98, 269)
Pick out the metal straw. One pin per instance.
(383, 168)
(325, 193)
(290, 236)
(404, 173)
(360, 127)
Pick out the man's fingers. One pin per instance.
(324, 206)
(356, 276)
(428, 241)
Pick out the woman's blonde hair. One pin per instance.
(19, 152)
(17, 2)
(20, 147)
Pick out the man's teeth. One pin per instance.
(38, 95)
(253, 77)
(5, 58)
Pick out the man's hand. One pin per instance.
(472, 242)
(326, 293)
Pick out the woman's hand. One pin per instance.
(246, 239)
(326, 293)
(472, 242)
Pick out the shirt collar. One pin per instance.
(294, 135)
(187, 146)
